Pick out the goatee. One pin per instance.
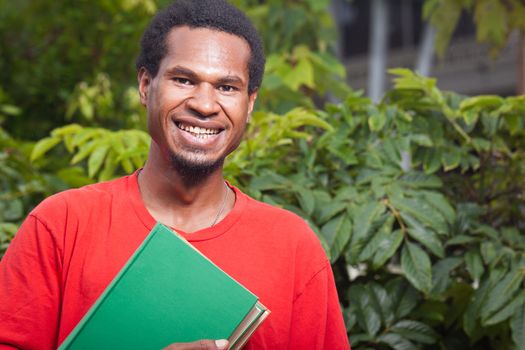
(193, 172)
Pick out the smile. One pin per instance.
(198, 131)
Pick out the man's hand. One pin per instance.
(200, 345)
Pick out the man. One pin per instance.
(199, 69)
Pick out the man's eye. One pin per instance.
(182, 81)
(227, 88)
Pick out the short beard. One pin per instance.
(191, 172)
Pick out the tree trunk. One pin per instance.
(521, 65)
(426, 51)
(378, 49)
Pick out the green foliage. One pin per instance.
(102, 150)
(494, 19)
(21, 185)
(298, 38)
(48, 47)
(417, 200)
(424, 189)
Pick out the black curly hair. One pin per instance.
(213, 14)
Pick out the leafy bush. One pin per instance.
(419, 203)
(417, 200)
(21, 185)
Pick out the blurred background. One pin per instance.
(394, 127)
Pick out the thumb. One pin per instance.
(221, 344)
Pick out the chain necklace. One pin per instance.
(223, 205)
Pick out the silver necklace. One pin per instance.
(223, 205)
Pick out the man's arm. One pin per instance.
(30, 289)
(317, 321)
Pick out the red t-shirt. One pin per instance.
(73, 244)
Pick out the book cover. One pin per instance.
(167, 292)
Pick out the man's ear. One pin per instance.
(251, 103)
(144, 79)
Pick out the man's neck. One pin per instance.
(189, 208)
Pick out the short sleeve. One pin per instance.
(317, 321)
(30, 289)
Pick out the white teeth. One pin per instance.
(198, 130)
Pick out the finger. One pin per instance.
(221, 344)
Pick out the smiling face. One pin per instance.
(198, 103)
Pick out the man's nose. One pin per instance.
(204, 101)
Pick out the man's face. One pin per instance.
(198, 103)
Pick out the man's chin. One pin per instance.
(194, 171)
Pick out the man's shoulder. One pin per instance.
(90, 195)
(272, 212)
(279, 221)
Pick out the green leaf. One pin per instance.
(441, 274)
(421, 210)
(488, 252)
(118, 147)
(416, 267)
(367, 317)
(380, 301)
(420, 181)
(86, 106)
(474, 264)
(421, 140)
(471, 315)
(329, 210)
(432, 160)
(387, 247)
(337, 233)
(481, 102)
(501, 293)
(450, 159)
(13, 211)
(404, 297)
(301, 74)
(10, 110)
(517, 325)
(97, 158)
(514, 123)
(505, 312)
(470, 117)
(70, 129)
(416, 331)
(396, 341)
(364, 217)
(108, 170)
(491, 21)
(377, 120)
(441, 203)
(376, 241)
(83, 135)
(461, 240)
(481, 144)
(85, 150)
(42, 146)
(327, 61)
(356, 339)
(423, 235)
(269, 181)
(306, 200)
(444, 16)
(372, 319)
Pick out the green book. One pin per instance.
(168, 292)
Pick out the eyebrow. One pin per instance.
(179, 70)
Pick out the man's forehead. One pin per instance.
(197, 35)
(207, 46)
